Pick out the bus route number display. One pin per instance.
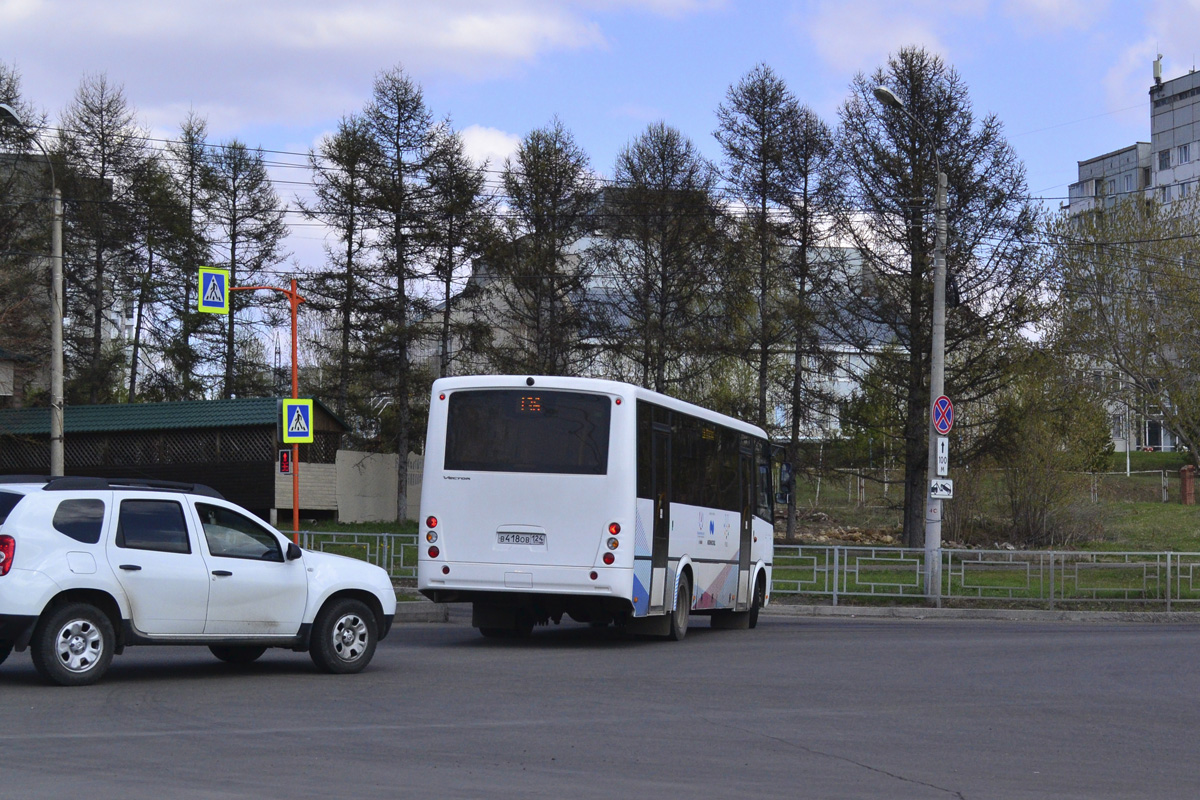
(531, 404)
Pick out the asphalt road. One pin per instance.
(823, 708)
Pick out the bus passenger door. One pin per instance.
(660, 543)
(746, 471)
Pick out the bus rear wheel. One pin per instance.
(683, 607)
(760, 596)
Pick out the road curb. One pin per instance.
(422, 611)
(1004, 614)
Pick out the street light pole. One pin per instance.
(937, 363)
(57, 454)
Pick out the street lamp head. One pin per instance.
(888, 97)
(9, 115)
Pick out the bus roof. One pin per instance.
(626, 390)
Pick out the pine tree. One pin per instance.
(247, 214)
(657, 261)
(101, 148)
(459, 229)
(341, 174)
(542, 269)
(887, 216)
(401, 126)
(753, 131)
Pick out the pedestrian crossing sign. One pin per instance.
(213, 297)
(297, 421)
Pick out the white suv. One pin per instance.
(89, 566)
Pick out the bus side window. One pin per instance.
(764, 493)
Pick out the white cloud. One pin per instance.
(859, 34)
(1056, 15)
(1169, 28)
(489, 145)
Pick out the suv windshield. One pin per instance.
(8, 501)
(524, 430)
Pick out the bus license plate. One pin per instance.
(535, 539)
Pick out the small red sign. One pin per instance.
(285, 462)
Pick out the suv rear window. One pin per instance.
(8, 501)
(81, 519)
(526, 430)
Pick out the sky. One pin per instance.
(1069, 79)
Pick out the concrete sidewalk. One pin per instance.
(1005, 614)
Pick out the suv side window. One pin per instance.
(153, 525)
(81, 519)
(232, 535)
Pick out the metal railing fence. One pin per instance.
(1033, 577)
(1039, 577)
(395, 552)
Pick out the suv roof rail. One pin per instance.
(77, 482)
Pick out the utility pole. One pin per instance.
(937, 363)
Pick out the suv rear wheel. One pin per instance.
(73, 646)
(343, 637)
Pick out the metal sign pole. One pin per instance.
(294, 300)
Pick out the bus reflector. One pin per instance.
(434, 552)
(431, 521)
(594, 575)
(614, 528)
(445, 570)
(609, 558)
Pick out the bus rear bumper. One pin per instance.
(469, 578)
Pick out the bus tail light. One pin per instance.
(8, 546)
(613, 543)
(609, 558)
(614, 528)
(431, 537)
(434, 552)
(431, 521)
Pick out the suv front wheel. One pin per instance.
(343, 637)
(73, 646)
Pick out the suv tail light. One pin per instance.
(8, 546)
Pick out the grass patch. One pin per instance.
(1150, 527)
(1142, 461)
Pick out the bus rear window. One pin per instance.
(509, 430)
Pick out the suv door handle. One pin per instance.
(130, 567)
(223, 573)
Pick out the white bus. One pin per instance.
(546, 496)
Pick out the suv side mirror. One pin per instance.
(293, 552)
